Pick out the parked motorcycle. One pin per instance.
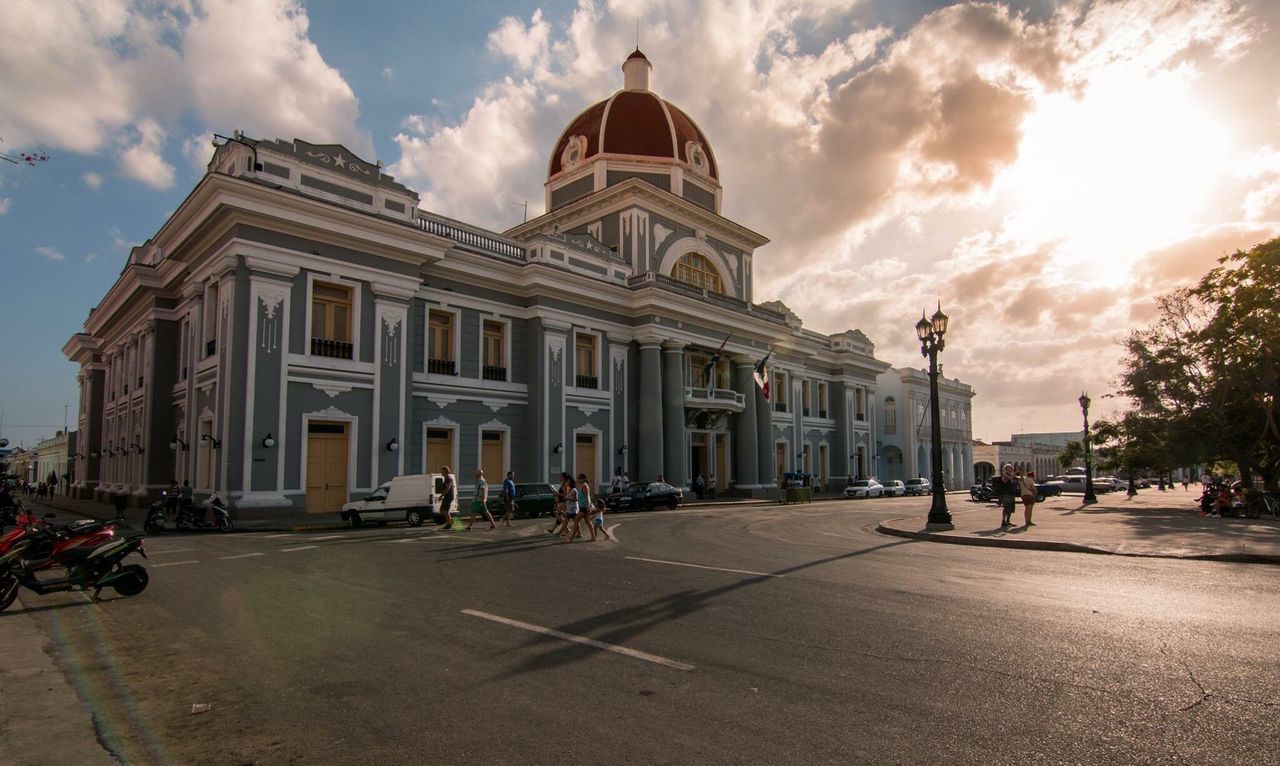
(88, 555)
(156, 516)
(191, 517)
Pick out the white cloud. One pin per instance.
(88, 76)
(4, 205)
(44, 251)
(388, 73)
(92, 180)
(198, 150)
(144, 161)
(882, 163)
(91, 257)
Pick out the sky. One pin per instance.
(1042, 170)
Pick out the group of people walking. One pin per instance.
(575, 505)
(1009, 487)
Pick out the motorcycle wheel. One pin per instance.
(8, 590)
(225, 524)
(132, 586)
(152, 528)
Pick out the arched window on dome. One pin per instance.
(697, 270)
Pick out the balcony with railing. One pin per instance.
(472, 238)
(714, 399)
(671, 284)
(332, 349)
(493, 372)
(587, 381)
(442, 367)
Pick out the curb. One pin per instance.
(1061, 547)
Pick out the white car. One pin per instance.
(864, 488)
(894, 489)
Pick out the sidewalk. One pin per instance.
(1153, 523)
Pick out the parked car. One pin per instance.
(984, 492)
(864, 488)
(893, 488)
(644, 496)
(405, 498)
(533, 499)
(918, 486)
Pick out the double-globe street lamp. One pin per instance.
(1089, 496)
(930, 331)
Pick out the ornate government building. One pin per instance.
(300, 331)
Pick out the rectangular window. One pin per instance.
(211, 320)
(585, 357)
(779, 392)
(331, 321)
(440, 356)
(495, 351)
(822, 400)
(860, 399)
(804, 398)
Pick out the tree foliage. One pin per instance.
(1203, 376)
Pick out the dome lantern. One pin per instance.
(635, 72)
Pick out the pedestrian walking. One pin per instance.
(480, 503)
(1184, 482)
(569, 496)
(1006, 487)
(597, 521)
(1028, 487)
(584, 506)
(448, 493)
(617, 483)
(508, 497)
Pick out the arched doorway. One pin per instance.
(983, 471)
(922, 463)
(893, 468)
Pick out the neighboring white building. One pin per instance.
(54, 455)
(1025, 452)
(904, 431)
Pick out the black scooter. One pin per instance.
(89, 569)
(188, 518)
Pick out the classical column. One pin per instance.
(675, 459)
(649, 456)
(744, 426)
(764, 441)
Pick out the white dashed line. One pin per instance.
(703, 566)
(174, 563)
(634, 654)
(297, 548)
(613, 532)
(328, 537)
(170, 550)
(241, 556)
(281, 534)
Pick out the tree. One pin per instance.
(1203, 376)
(1071, 454)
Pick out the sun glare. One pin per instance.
(1110, 175)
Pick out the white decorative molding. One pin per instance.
(206, 388)
(206, 414)
(594, 229)
(393, 318)
(494, 405)
(494, 425)
(329, 412)
(660, 234)
(587, 409)
(271, 298)
(442, 422)
(332, 389)
(441, 401)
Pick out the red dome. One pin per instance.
(636, 123)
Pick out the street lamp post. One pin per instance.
(1089, 497)
(930, 331)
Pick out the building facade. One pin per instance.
(1025, 452)
(299, 331)
(56, 456)
(904, 432)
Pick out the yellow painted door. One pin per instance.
(336, 472)
(585, 457)
(326, 467)
(491, 459)
(781, 459)
(315, 474)
(439, 450)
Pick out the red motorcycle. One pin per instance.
(89, 553)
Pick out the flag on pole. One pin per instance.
(709, 372)
(761, 374)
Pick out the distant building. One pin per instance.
(55, 455)
(904, 432)
(1025, 452)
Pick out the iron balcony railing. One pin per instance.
(714, 398)
(333, 349)
(492, 372)
(442, 367)
(471, 237)
(587, 381)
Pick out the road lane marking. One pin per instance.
(613, 532)
(281, 534)
(634, 654)
(703, 566)
(297, 548)
(170, 550)
(241, 556)
(175, 563)
(328, 537)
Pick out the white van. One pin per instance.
(410, 498)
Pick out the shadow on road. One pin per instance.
(623, 625)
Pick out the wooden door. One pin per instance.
(326, 467)
(439, 450)
(722, 463)
(822, 465)
(781, 459)
(584, 458)
(492, 459)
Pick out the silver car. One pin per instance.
(894, 489)
(864, 488)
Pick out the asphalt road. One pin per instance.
(749, 635)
